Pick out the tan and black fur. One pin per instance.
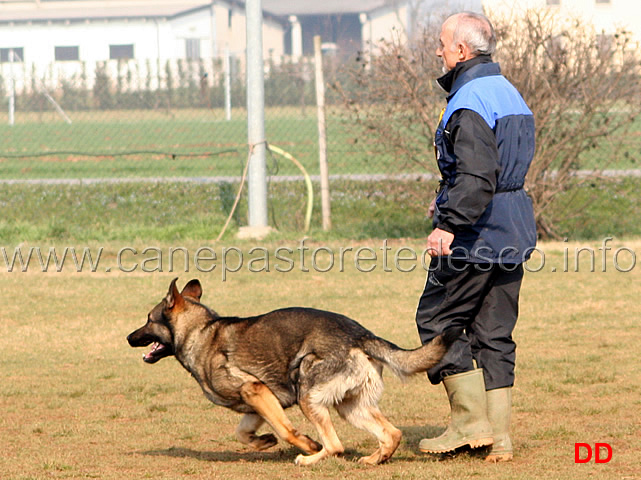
(261, 365)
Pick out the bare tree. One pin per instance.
(393, 101)
(582, 87)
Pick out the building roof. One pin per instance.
(87, 9)
(59, 10)
(325, 7)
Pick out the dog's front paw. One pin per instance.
(314, 446)
(373, 459)
(264, 442)
(304, 460)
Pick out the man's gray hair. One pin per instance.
(477, 32)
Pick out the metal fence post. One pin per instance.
(256, 116)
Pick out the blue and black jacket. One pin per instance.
(484, 145)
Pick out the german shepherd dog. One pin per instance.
(261, 365)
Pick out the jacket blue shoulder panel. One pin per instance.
(493, 97)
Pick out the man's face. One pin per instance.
(447, 50)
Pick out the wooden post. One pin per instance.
(322, 135)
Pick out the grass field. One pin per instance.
(77, 402)
(188, 143)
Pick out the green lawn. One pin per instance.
(202, 144)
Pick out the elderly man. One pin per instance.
(484, 229)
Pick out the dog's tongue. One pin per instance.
(149, 356)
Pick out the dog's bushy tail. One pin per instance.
(405, 363)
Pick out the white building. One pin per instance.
(338, 21)
(57, 38)
(357, 25)
(406, 18)
(606, 15)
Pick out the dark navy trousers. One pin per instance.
(481, 298)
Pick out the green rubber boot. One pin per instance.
(469, 424)
(499, 413)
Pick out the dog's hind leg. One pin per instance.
(246, 432)
(264, 402)
(319, 416)
(370, 418)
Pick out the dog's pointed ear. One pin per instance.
(193, 289)
(174, 298)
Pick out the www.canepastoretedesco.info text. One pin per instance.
(320, 259)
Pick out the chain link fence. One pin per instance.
(111, 125)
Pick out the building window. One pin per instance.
(121, 52)
(192, 48)
(553, 2)
(63, 54)
(5, 54)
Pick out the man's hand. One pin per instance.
(430, 211)
(438, 243)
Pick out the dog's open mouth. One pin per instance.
(158, 351)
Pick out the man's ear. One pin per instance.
(193, 289)
(174, 298)
(463, 51)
